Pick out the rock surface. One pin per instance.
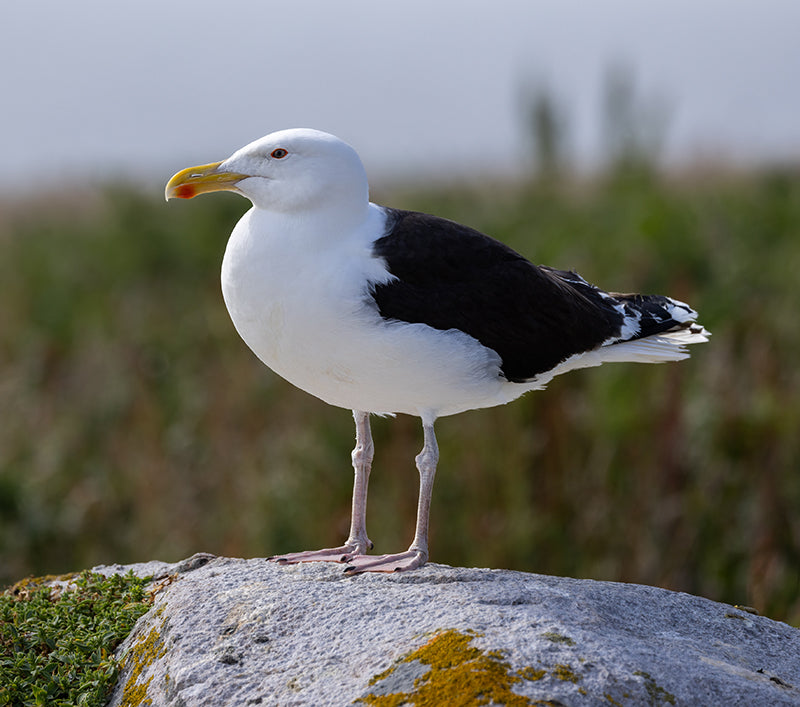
(247, 632)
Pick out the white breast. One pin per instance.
(302, 304)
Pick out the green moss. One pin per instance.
(57, 642)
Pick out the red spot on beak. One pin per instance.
(185, 191)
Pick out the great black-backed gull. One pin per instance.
(383, 311)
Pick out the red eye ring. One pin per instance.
(279, 153)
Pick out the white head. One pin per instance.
(290, 171)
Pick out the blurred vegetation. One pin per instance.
(136, 424)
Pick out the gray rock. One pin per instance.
(247, 632)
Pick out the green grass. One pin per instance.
(56, 646)
(137, 425)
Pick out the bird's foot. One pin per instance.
(343, 553)
(399, 562)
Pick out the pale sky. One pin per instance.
(93, 88)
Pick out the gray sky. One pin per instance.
(93, 88)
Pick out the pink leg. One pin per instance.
(357, 542)
(417, 554)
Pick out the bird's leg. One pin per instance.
(427, 461)
(417, 554)
(362, 465)
(357, 542)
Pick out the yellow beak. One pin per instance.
(205, 178)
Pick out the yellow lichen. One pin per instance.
(656, 693)
(147, 649)
(458, 673)
(531, 674)
(25, 587)
(565, 672)
(556, 637)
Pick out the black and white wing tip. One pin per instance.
(655, 329)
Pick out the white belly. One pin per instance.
(311, 320)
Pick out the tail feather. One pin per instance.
(642, 315)
(655, 348)
(654, 329)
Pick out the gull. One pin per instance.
(383, 311)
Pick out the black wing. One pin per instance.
(453, 277)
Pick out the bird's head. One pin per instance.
(287, 171)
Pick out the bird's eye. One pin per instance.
(279, 153)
